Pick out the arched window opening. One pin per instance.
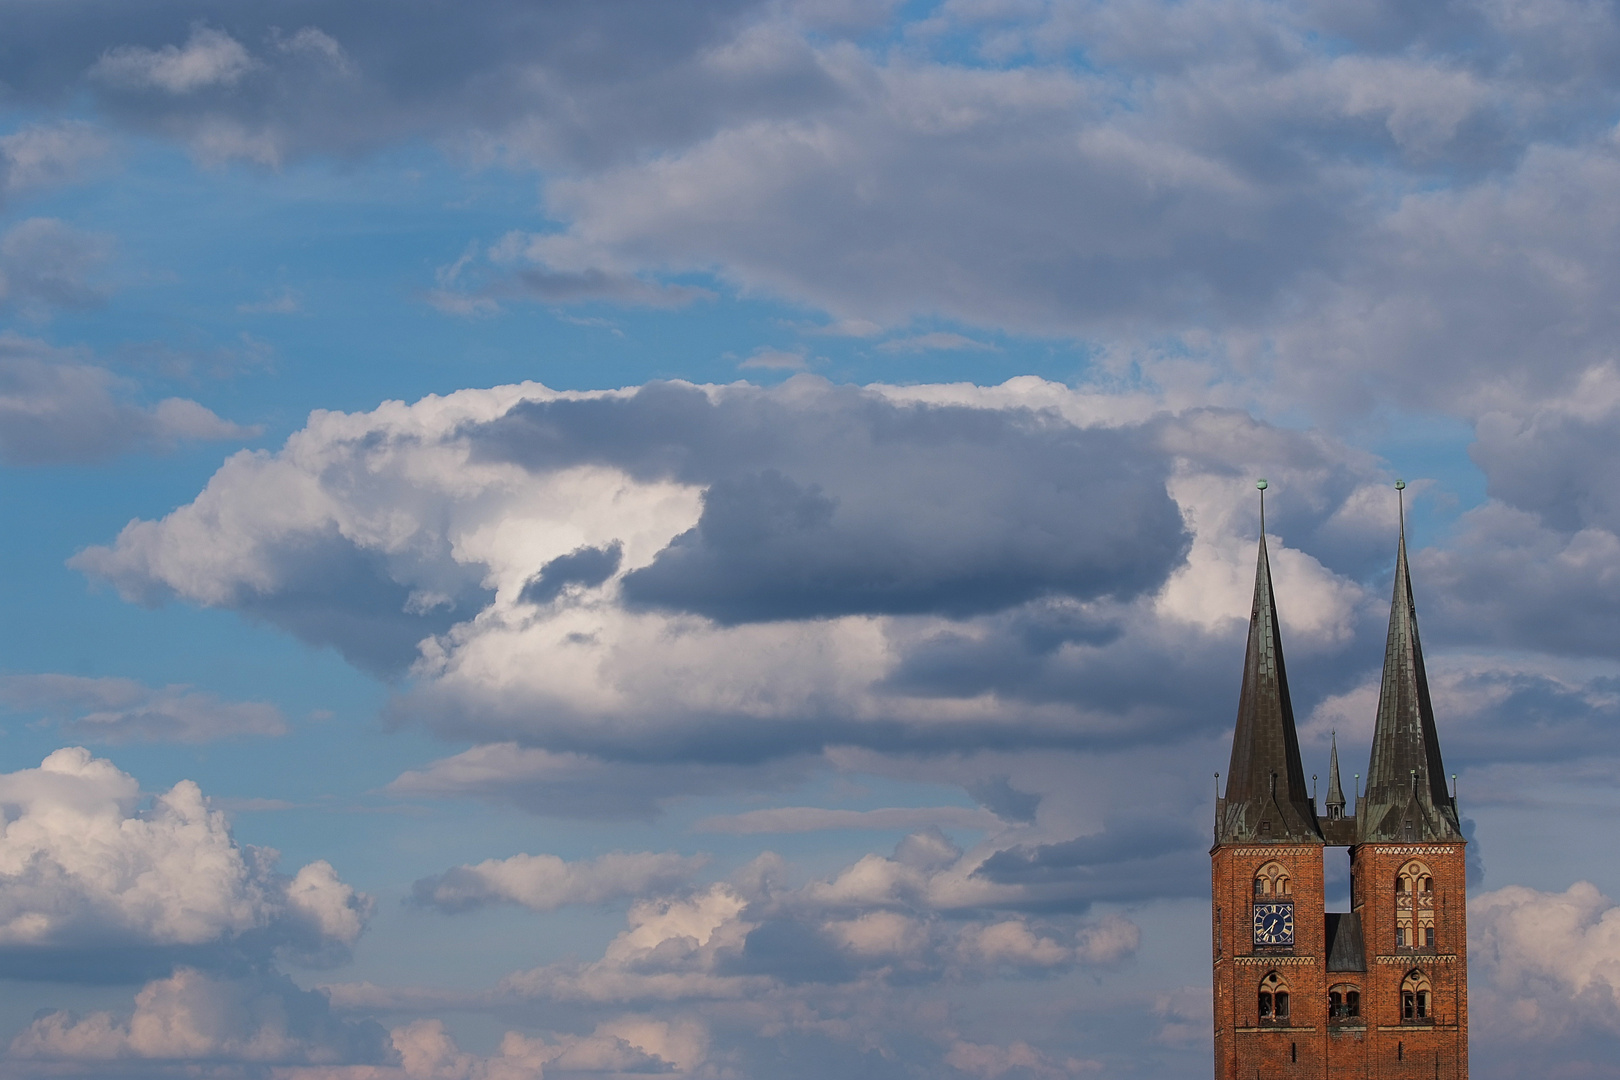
(1272, 880)
(1273, 998)
(1415, 998)
(1414, 907)
(1344, 1002)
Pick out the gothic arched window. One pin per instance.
(1415, 998)
(1272, 880)
(1344, 1002)
(1414, 907)
(1273, 997)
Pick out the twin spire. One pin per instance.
(1266, 798)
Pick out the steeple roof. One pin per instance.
(1406, 797)
(1335, 795)
(1266, 797)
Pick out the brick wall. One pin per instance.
(1379, 1045)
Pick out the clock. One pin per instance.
(1274, 923)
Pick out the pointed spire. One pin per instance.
(1406, 782)
(1266, 797)
(1335, 798)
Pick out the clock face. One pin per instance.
(1274, 924)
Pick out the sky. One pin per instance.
(599, 538)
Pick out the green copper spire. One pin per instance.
(1266, 795)
(1406, 795)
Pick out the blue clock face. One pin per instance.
(1274, 924)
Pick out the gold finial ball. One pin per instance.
(1261, 484)
(1400, 485)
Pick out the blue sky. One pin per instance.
(600, 539)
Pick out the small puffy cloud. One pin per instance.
(766, 358)
(546, 883)
(86, 873)
(798, 819)
(283, 302)
(46, 264)
(209, 58)
(990, 1061)
(57, 408)
(935, 341)
(123, 710)
(580, 785)
(48, 155)
(193, 1016)
(540, 269)
(627, 1045)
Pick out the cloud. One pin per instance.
(763, 971)
(285, 302)
(935, 341)
(122, 710)
(876, 921)
(712, 494)
(193, 1016)
(766, 358)
(56, 408)
(209, 58)
(535, 268)
(796, 819)
(40, 156)
(45, 265)
(593, 586)
(546, 883)
(573, 785)
(1548, 967)
(95, 888)
(587, 567)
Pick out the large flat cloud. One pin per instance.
(122, 710)
(737, 574)
(1402, 214)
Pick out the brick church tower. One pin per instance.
(1379, 991)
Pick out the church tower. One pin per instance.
(1378, 991)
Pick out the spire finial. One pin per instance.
(1261, 485)
(1400, 497)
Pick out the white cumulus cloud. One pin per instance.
(83, 866)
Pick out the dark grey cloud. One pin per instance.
(826, 501)
(285, 79)
(1506, 580)
(587, 566)
(1128, 859)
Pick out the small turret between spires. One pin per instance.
(1335, 795)
(1266, 796)
(1406, 795)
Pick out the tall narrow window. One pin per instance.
(1415, 998)
(1273, 997)
(1414, 907)
(1344, 1003)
